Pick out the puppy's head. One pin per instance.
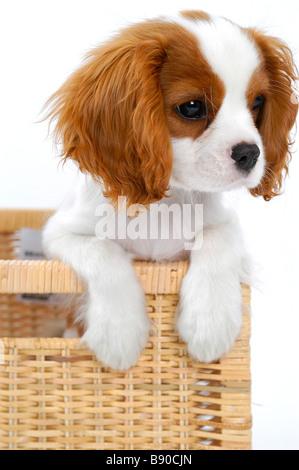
(194, 101)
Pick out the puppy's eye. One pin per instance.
(192, 110)
(259, 100)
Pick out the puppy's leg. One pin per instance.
(117, 323)
(209, 315)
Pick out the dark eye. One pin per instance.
(259, 100)
(192, 110)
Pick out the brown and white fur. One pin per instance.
(170, 111)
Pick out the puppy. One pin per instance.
(170, 112)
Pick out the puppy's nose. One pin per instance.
(245, 156)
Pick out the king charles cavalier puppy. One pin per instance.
(169, 113)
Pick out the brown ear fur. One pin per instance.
(110, 117)
(279, 113)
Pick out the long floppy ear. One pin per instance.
(110, 118)
(278, 114)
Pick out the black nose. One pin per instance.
(245, 156)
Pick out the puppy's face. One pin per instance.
(214, 95)
(194, 102)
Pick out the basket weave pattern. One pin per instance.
(55, 395)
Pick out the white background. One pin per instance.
(41, 43)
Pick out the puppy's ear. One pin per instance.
(278, 114)
(110, 117)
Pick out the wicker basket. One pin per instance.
(55, 395)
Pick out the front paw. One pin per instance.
(118, 342)
(209, 323)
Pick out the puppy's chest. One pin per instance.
(163, 232)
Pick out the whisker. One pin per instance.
(281, 89)
(278, 87)
(269, 172)
(279, 83)
(207, 118)
(278, 90)
(211, 102)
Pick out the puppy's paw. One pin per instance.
(209, 320)
(207, 341)
(118, 342)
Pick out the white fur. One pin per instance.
(209, 313)
(117, 324)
